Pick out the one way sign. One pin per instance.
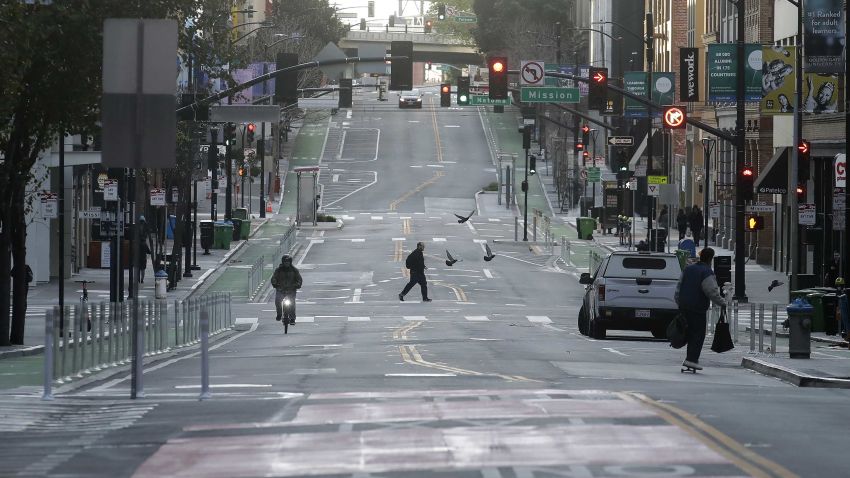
(653, 190)
(621, 140)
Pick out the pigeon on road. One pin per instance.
(450, 260)
(461, 219)
(488, 256)
(776, 283)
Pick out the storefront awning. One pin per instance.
(773, 179)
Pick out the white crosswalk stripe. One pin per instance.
(539, 319)
(476, 318)
(330, 319)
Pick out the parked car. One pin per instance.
(412, 99)
(630, 291)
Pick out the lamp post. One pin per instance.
(593, 133)
(707, 147)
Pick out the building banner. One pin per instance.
(722, 72)
(689, 75)
(663, 91)
(779, 73)
(823, 36)
(820, 93)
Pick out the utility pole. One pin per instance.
(593, 133)
(213, 164)
(845, 270)
(228, 174)
(650, 54)
(558, 43)
(740, 157)
(261, 152)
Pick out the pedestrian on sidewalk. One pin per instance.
(416, 264)
(682, 223)
(29, 277)
(696, 289)
(843, 308)
(696, 220)
(663, 218)
(144, 250)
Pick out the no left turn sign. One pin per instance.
(531, 73)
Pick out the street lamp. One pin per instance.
(708, 147)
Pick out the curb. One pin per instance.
(22, 352)
(791, 376)
(822, 340)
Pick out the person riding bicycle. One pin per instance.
(286, 280)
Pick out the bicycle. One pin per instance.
(288, 304)
(84, 298)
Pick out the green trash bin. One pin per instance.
(683, 256)
(585, 226)
(240, 213)
(245, 230)
(816, 299)
(223, 235)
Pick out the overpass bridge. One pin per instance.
(434, 47)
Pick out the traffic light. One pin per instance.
(585, 136)
(363, 24)
(498, 69)
(345, 92)
(754, 223)
(371, 8)
(445, 94)
(804, 159)
(401, 71)
(463, 91)
(674, 117)
(427, 65)
(526, 137)
(441, 12)
(230, 134)
(801, 193)
(241, 171)
(532, 165)
(597, 98)
(427, 26)
(250, 132)
(286, 84)
(746, 178)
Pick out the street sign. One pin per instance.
(760, 208)
(249, 153)
(531, 73)
(49, 205)
(656, 179)
(465, 19)
(594, 175)
(840, 170)
(549, 94)
(807, 214)
(157, 197)
(93, 213)
(653, 190)
(110, 190)
(621, 140)
(714, 210)
(583, 174)
(640, 171)
(484, 100)
(674, 117)
(599, 161)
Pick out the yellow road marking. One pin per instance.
(406, 226)
(751, 463)
(397, 253)
(406, 196)
(437, 142)
(401, 334)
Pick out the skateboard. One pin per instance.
(686, 368)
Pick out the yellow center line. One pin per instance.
(406, 196)
(397, 252)
(437, 141)
(751, 463)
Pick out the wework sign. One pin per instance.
(689, 74)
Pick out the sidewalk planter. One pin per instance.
(207, 236)
(800, 324)
(240, 213)
(585, 227)
(223, 235)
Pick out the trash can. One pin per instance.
(683, 256)
(240, 213)
(830, 318)
(245, 230)
(160, 284)
(800, 323)
(223, 235)
(585, 226)
(207, 236)
(237, 228)
(815, 298)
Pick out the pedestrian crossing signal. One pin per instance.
(755, 223)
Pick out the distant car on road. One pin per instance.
(630, 291)
(412, 99)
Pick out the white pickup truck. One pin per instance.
(630, 291)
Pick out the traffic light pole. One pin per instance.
(740, 158)
(650, 62)
(793, 166)
(261, 152)
(525, 193)
(228, 174)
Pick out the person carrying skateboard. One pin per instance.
(696, 289)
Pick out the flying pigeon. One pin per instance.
(488, 253)
(774, 285)
(451, 260)
(461, 219)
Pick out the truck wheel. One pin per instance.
(583, 322)
(597, 331)
(659, 332)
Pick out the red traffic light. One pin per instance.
(251, 127)
(803, 147)
(801, 190)
(579, 146)
(428, 23)
(585, 129)
(600, 77)
(585, 154)
(446, 89)
(675, 117)
(747, 172)
(497, 66)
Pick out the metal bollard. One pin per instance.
(205, 356)
(752, 328)
(761, 328)
(735, 321)
(56, 344)
(47, 394)
(138, 318)
(773, 329)
(516, 228)
(76, 341)
(534, 228)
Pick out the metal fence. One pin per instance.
(593, 261)
(88, 338)
(287, 242)
(255, 277)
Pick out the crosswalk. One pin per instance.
(534, 319)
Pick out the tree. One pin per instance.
(518, 26)
(51, 56)
(449, 25)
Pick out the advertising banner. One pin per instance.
(722, 72)
(779, 73)
(663, 92)
(820, 93)
(689, 74)
(823, 36)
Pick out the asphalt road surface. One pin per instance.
(491, 379)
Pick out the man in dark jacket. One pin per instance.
(696, 289)
(696, 221)
(285, 280)
(416, 263)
